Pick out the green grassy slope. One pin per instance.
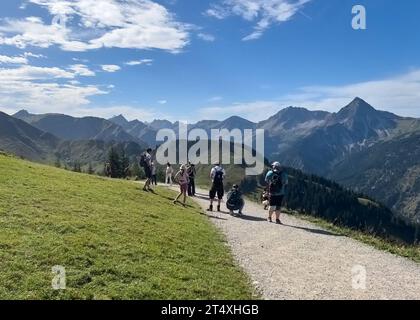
(115, 241)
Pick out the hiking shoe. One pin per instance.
(278, 221)
(218, 208)
(210, 208)
(269, 219)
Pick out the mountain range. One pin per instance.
(369, 150)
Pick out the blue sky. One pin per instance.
(192, 60)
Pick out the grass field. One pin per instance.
(115, 241)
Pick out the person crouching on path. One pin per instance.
(182, 178)
(277, 181)
(235, 201)
(217, 175)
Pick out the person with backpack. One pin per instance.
(191, 174)
(277, 181)
(217, 175)
(169, 173)
(146, 164)
(235, 201)
(182, 179)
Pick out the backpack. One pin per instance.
(143, 162)
(276, 183)
(218, 177)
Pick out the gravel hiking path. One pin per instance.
(299, 260)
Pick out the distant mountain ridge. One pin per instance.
(26, 141)
(71, 128)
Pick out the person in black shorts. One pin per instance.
(217, 176)
(277, 181)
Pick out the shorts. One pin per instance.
(276, 202)
(216, 190)
(183, 188)
(148, 172)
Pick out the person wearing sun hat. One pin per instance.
(182, 179)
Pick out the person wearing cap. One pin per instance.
(277, 181)
(235, 201)
(217, 175)
(182, 179)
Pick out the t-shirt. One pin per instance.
(284, 181)
(148, 159)
(182, 177)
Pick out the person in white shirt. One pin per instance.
(182, 179)
(169, 173)
(217, 175)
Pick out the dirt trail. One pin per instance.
(299, 260)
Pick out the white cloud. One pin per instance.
(206, 37)
(44, 89)
(399, 94)
(110, 67)
(13, 60)
(81, 70)
(29, 73)
(162, 101)
(80, 60)
(33, 55)
(147, 62)
(264, 12)
(215, 99)
(94, 24)
(44, 96)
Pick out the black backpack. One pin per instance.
(143, 162)
(218, 177)
(276, 183)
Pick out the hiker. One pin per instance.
(108, 170)
(217, 176)
(191, 175)
(169, 173)
(154, 176)
(182, 179)
(235, 201)
(277, 180)
(145, 163)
